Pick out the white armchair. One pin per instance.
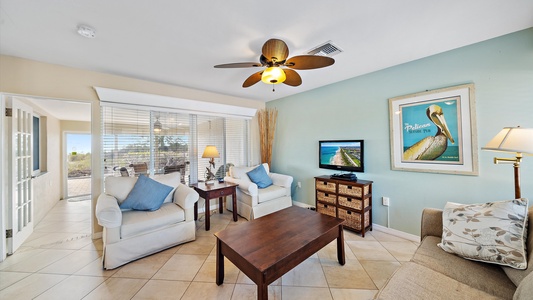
(253, 202)
(130, 235)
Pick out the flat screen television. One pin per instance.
(342, 155)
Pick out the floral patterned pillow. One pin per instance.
(493, 232)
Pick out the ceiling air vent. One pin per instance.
(326, 49)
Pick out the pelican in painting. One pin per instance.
(431, 147)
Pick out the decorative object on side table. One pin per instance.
(212, 153)
(514, 140)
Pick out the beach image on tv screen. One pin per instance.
(341, 154)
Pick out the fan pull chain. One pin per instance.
(273, 88)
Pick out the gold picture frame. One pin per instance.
(435, 131)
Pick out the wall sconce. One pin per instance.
(516, 140)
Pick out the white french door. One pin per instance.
(20, 194)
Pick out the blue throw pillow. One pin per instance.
(260, 177)
(147, 194)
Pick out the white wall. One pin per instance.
(357, 108)
(47, 185)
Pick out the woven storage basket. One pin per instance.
(325, 186)
(352, 190)
(324, 197)
(353, 203)
(326, 209)
(353, 219)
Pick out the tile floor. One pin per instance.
(78, 186)
(61, 261)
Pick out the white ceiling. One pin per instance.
(179, 42)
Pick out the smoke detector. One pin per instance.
(86, 31)
(326, 49)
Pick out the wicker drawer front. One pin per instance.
(325, 186)
(353, 203)
(324, 197)
(326, 209)
(353, 190)
(353, 219)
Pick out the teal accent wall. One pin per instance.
(357, 108)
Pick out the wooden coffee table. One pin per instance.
(266, 248)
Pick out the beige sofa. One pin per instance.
(130, 235)
(433, 273)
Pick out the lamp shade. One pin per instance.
(512, 139)
(273, 75)
(210, 152)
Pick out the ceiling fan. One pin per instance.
(279, 69)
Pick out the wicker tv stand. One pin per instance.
(345, 199)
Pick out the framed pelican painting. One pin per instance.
(435, 131)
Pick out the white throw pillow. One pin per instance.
(172, 179)
(240, 172)
(493, 232)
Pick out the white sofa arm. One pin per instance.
(244, 185)
(108, 212)
(281, 180)
(185, 196)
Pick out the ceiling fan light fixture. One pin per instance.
(273, 75)
(158, 126)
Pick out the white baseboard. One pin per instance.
(401, 234)
(300, 204)
(213, 205)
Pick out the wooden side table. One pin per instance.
(212, 191)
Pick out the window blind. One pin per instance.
(237, 138)
(210, 131)
(125, 140)
(138, 141)
(171, 143)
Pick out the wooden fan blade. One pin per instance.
(239, 65)
(306, 62)
(253, 79)
(293, 78)
(275, 50)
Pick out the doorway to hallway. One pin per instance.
(78, 166)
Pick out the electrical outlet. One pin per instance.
(386, 201)
(299, 185)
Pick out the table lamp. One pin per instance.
(516, 140)
(211, 152)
